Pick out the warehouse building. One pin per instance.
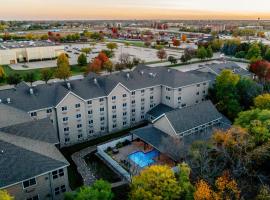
(27, 51)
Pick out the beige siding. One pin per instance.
(164, 125)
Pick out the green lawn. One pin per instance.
(75, 70)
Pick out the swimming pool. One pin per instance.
(143, 159)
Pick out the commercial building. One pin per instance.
(26, 51)
(32, 168)
(97, 105)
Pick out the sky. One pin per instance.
(133, 9)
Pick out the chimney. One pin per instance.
(31, 91)
(68, 85)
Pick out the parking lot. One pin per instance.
(73, 50)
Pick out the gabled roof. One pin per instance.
(94, 86)
(159, 110)
(190, 117)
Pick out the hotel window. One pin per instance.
(33, 198)
(133, 101)
(90, 112)
(33, 114)
(151, 105)
(142, 108)
(80, 136)
(133, 110)
(168, 98)
(142, 91)
(102, 119)
(64, 108)
(66, 129)
(179, 98)
(204, 83)
(58, 173)
(183, 105)
(79, 125)
(102, 128)
(65, 119)
(49, 110)
(67, 139)
(151, 97)
(114, 116)
(168, 89)
(124, 95)
(77, 105)
(101, 109)
(142, 99)
(90, 122)
(78, 116)
(113, 107)
(124, 105)
(101, 99)
(29, 183)
(142, 116)
(124, 113)
(133, 93)
(151, 89)
(91, 131)
(198, 85)
(179, 89)
(113, 97)
(114, 126)
(133, 119)
(89, 102)
(57, 191)
(197, 93)
(124, 123)
(63, 188)
(204, 92)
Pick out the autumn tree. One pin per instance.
(155, 182)
(184, 37)
(264, 193)
(5, 196)
(46, 74)
(2, 74)
(161, 54)
(95, 66)
(262, 101)
(108, 65)
(63, 69)
(82, 59)
(262, 69)
(176, 43)
(254, 52)
(86, 50)
(112, 46)
(103, 58)
(203, 191)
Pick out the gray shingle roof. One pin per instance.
(159, 110)
(49, 95)
(18, 164)
(189, 117)
(41, 130)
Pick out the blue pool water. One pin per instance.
(143, 159)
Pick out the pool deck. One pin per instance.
(140, 146)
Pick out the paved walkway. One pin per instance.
(78, 158)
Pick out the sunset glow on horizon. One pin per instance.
(128, 9)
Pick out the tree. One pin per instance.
(62, 60)
(46, 74)
(254, 52)
(172, 60)
(2, 74)
(184, 38)
(216, 44)
(86, 50)
(203, 191)
(209, 52)
(176, 43)
(127, 44)
(95, 66)
(247, 90)
(184, 182)
(100, 190)
(155, 182)
(103, 58)
(108, 53)
(108, 65)
(264, 193)
(112, 46)
(201, 53)
(262, 101)
(267, 55)
(257, 122)
(226, 93)
(63, 68)
(5, 196)
(262, 69)
(14, 79)
(161, 54)
(82, 59)
(147, 43)
(30, 77)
